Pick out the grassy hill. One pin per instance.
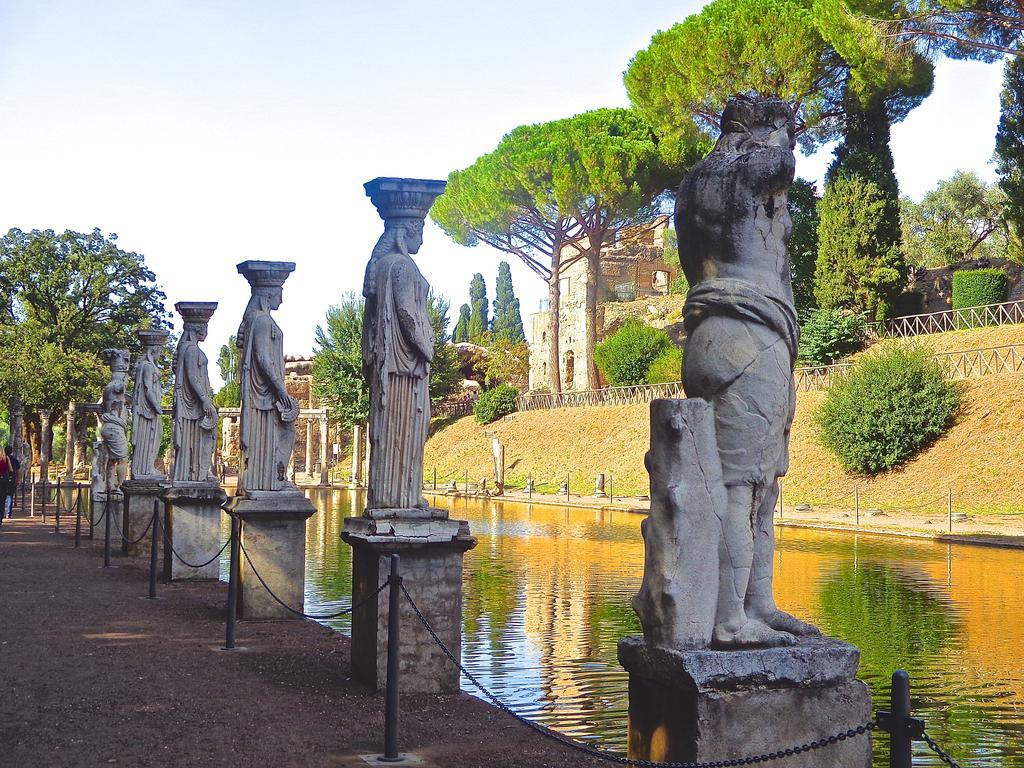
(980, 458)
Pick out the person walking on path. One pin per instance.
(8, 472)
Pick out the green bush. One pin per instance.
(626, 356)
(829, 334)
(679, 285)
(892, 404)
(978, 287)
(495, 403)
(667, 368)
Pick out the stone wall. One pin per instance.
(931, 290)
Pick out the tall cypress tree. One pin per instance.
(478, 321)
(461, 332)
(508, 320)
(1010, 149)
(860, 263)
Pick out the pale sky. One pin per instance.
(208, 133)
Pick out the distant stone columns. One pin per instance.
(69, 450)
(323, 451)
(358, 455)
(309, 448)
(16, 411)
(44, 443)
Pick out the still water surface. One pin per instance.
(548, 590)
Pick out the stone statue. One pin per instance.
(720, 463)
(267, 433)
(195, 416)
(112, 449)
(147, 408)
(398, 346)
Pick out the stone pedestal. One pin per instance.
(706, 705)
(274, 537)
(141, 495)
(431, 548)
(193, 525)
(116, 511)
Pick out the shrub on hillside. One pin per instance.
(892, 404)
(495, 404)
(978, 287)
(829, 334)
(667, 368)
(626, 356)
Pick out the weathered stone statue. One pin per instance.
(398, 347)
(268, 411)
(112, 449)
(715, 657)
(272, 510)
(195, 416)
(147, 408)
(193, 501)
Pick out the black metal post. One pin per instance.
(394, 653)
(229, 633)
(106, 531)
(611, 488)
(78, 519)
(567, 487)
(152, 550)
(92, 515)
(467, 481)
(900, 742)
(529, 486)
(435, 478)
(125, 517)
(44, 502)
(58, 501)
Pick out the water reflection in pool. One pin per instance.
(548, 590)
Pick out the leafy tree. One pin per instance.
(554, 193)
(961, 219)
(461, 332)
(506, 362)
(338, 363)
(1009, 153)
(63, 299)
(813, 55)
(626, 356)
(858, 267)
(495, 404)
(828, 334)
(508, 320)
(445, 375)
(893, 404)
(479, 325)
(803, 242)
(229, 395)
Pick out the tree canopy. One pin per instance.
(461, 332)
(508, 320)
(814, 55)
(64, 298)
(962, 218)
(803, 242)
(550, 191)
(479, 323)
(1009, 154)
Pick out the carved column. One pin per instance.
(272, 511)
(309, 448)
(397, 518)
(44, 444)
(324, 477)
(69, 451)
(358, 445)
(16, 411)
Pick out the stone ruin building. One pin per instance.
(632, 269)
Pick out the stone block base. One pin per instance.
(274, 537)
(706, 705)
(193, 525)
(142, 495)
(431, 570)
(115, 508)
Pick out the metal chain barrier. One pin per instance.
(131, 542)
(611, 756)
(183, 561)
(345, 612)
(943, 755)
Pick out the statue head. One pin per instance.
(403, 204)
(748, 121)
(266, 280)
(153, 340)
(117, 359)
(195, 317)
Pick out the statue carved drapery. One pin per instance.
(147, 408)
(195, 416)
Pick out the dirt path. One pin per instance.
(90, 674)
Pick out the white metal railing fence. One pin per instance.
(967, 364)
(1006, 313)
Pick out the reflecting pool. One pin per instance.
(548, 590)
